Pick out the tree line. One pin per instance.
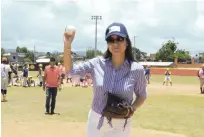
(167, 52)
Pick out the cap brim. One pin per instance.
(116, 33)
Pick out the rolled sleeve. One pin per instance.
(83, 68)
(141, 84)
(201, 74)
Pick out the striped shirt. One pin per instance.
(201, 73)
(124, 81)
(4, 70)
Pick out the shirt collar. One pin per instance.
(124, 65)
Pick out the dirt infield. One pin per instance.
(71, 129)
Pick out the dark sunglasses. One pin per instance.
(112, 40)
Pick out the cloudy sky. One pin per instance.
(42, 23)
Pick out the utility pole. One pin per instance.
(135, 47)
(34, 54)
(96, 18)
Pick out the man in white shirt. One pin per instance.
(201, 76)
(4, 77)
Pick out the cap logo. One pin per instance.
(114, 28)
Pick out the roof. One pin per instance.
(161, 64)
(43, 60)
(42, 57)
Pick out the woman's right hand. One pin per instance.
(69, 36)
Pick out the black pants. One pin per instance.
(51, 93)
(3, 92)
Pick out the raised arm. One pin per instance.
(80, 69)
(68, 38)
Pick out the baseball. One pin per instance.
(70, 28)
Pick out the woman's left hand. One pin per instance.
(132, 110)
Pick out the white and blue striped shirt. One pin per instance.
(124, 81)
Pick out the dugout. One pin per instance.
(158, 64)
(43, 61)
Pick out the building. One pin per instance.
(15, 57)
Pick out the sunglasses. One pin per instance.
(112, 40)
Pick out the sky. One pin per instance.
(153, 22)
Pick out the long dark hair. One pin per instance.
(128, 52)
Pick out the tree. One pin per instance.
(2, 52)
(138, 54)
(18, 49)
(201, 57)
(182, 55)
(169, 51)
(48, 54)
(21, 49)
(90, 53)
(27, 60)
(166, 53)
(29, 54)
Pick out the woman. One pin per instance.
(117, 73)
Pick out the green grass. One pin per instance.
(177, 79)
(183, 114)
(174, 113)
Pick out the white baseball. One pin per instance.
(70, 28)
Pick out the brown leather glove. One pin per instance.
(117, 108)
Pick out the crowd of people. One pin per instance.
(22, 78)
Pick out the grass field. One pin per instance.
(178, 109)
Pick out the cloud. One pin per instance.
(42, 22)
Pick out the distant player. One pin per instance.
(201, 76)
(40, 75)
(167, 77)
(4, 78)
(147, 74)
(63, 73)
(25, 75)
(69, 77)
(10, 76)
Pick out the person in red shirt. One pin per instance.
(51, 83)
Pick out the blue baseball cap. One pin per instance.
(117, 29)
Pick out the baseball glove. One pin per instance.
(117, 108)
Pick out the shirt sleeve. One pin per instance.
(141, 84)
(200, 73)
(83, 68)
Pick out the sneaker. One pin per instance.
(46, 113)
(52, 113)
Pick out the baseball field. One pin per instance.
(169, 111)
